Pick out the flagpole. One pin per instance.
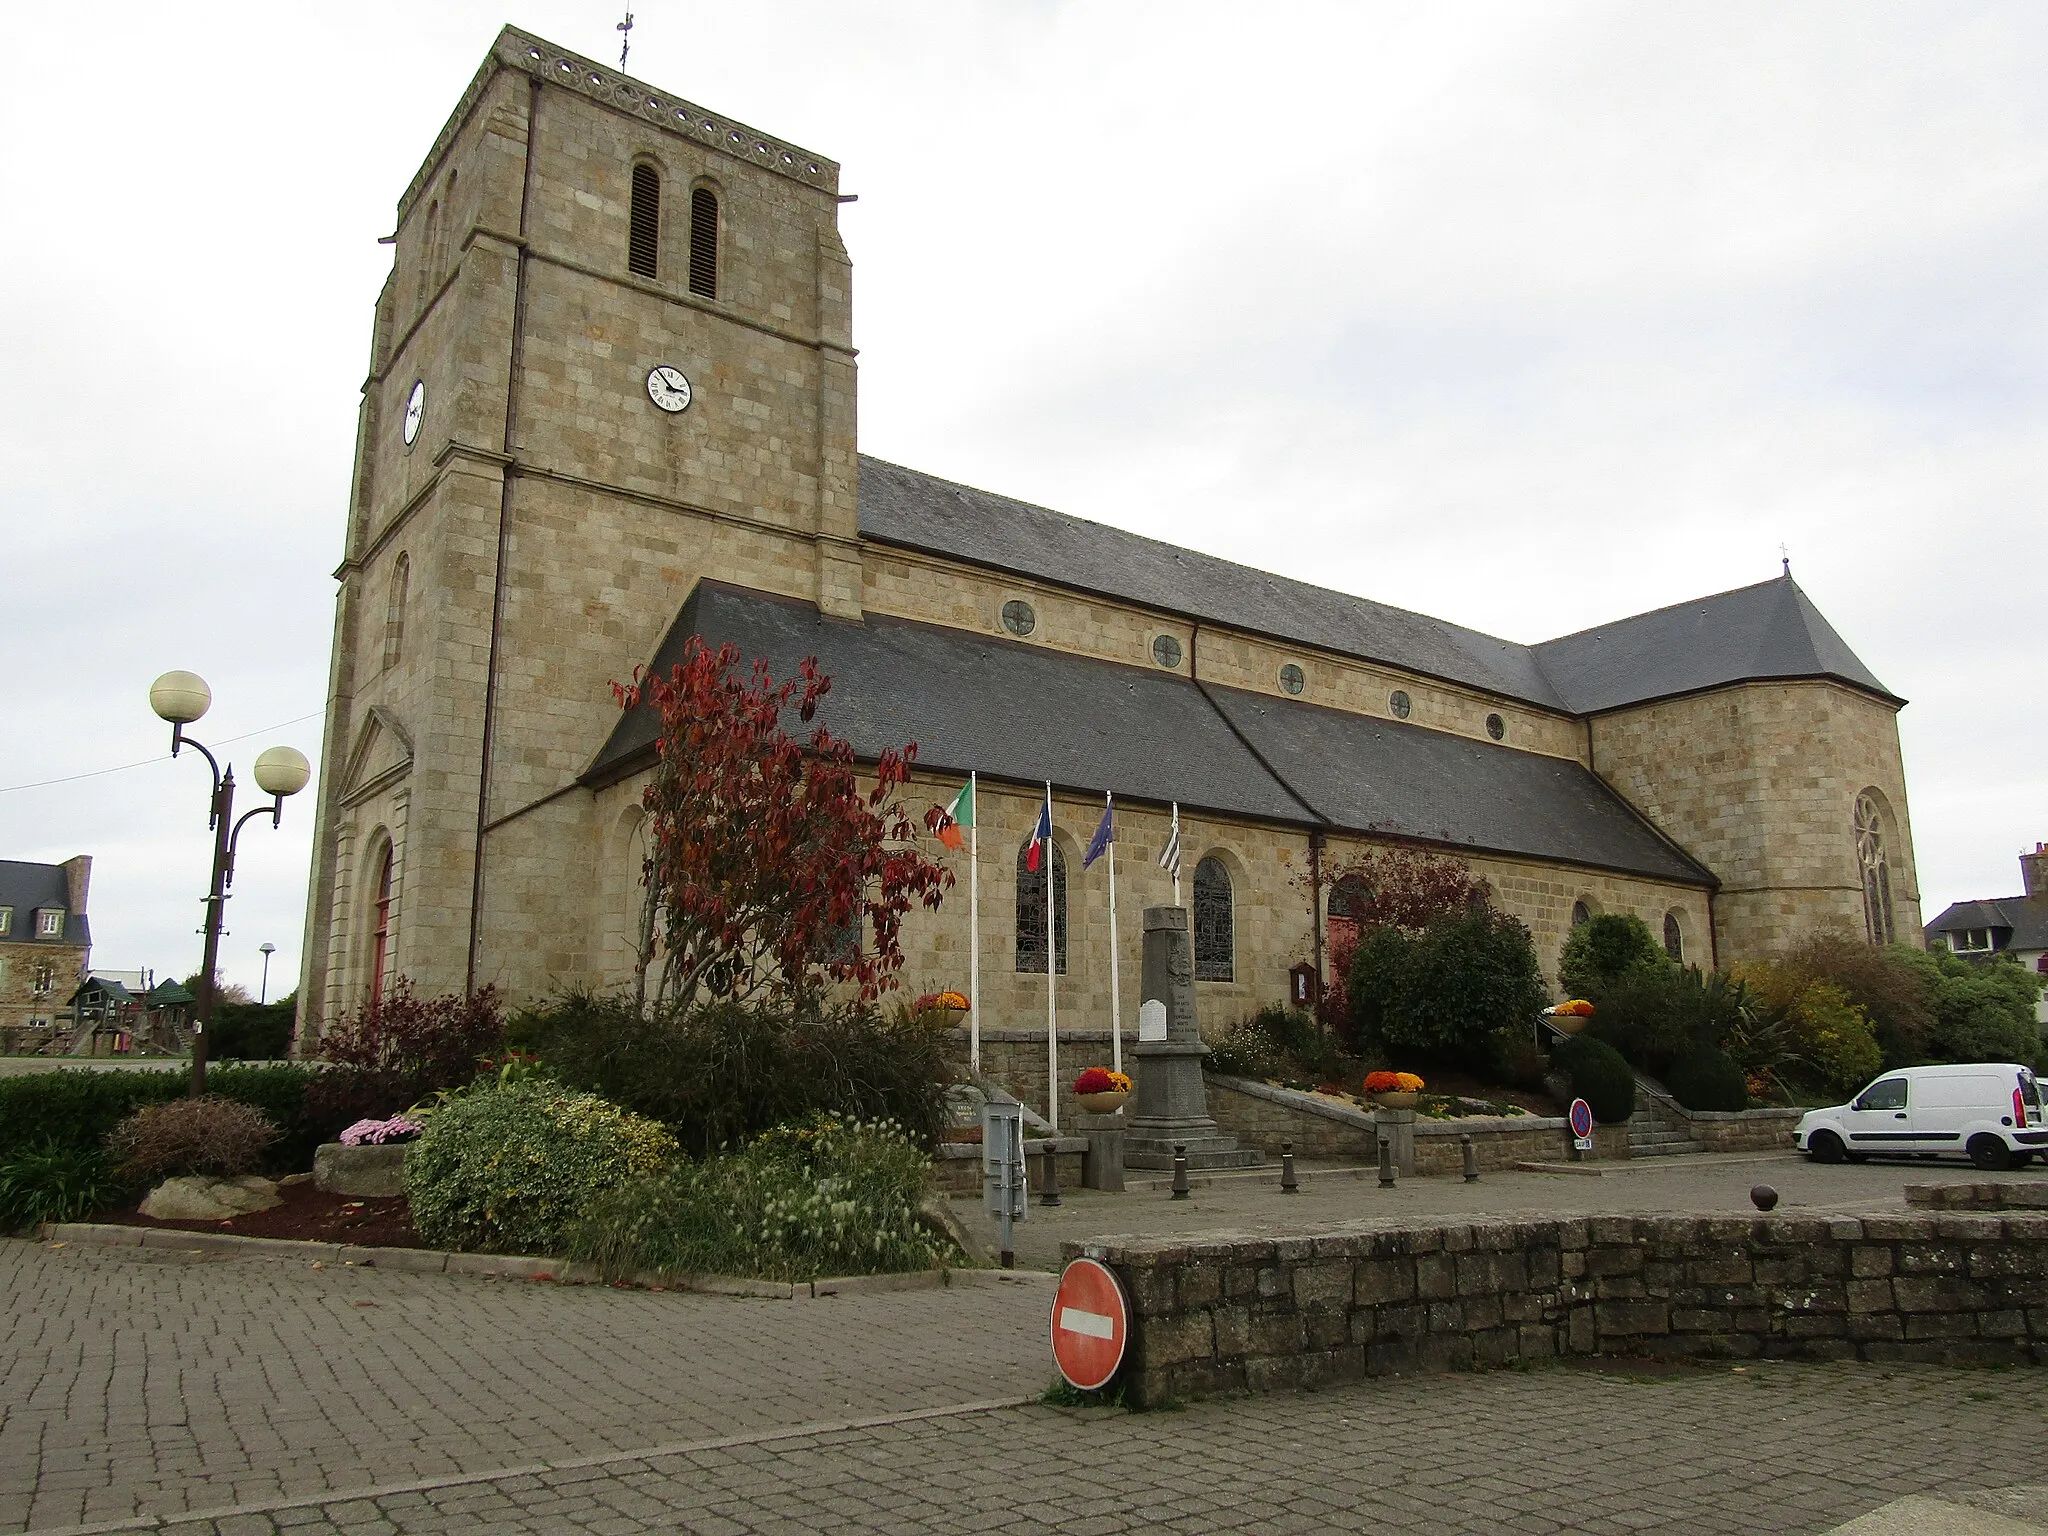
(973, 927)
(1052, 965)
(1116, 1007)
(1176, 853)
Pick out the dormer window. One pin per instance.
(704, 242)
(50, 923)
(1973, 941)
(643, 239)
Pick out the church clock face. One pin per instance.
(415, 411)
(668, 389)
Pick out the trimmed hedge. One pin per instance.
(1600, 1077)
(73, 1109)
(1707, 1079)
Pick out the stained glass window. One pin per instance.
(1496, 727)
(1397, 701)
(1291, 678)
(1018, 618)
(1874, 861)
(1215, 932)
(1166, 651)
(1674, 939)
(1031, 910)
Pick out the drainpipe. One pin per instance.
(1315, 918)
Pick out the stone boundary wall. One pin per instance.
(1748, 1130)
(1233, 1312)
(2010, 1195)
(1261, 1115)
(1015, 1059)
(956, 1165)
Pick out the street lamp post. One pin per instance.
(182, 698)
(268, 949)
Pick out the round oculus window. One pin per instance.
(1397, 701)
(1166, 650)
(1496, 727)
(1018, 618)
(1291, 678)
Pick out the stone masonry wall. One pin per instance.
(1236, 1313)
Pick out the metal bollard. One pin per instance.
(1289, 1185)
(1049, 1193)
(1471, 1159)
(1180, 1172)
(1386, 1163)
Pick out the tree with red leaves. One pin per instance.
(769, 870)
(1393, 887)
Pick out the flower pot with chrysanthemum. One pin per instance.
(1100, 1091)
(1393, 1090)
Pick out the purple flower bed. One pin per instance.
(378, 1133)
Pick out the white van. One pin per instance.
(1988, 1110)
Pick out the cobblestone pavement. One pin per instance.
(136, 1380)
(1702, 1182)
(1768, 1448)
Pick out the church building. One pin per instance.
(611, 404)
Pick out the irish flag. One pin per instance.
(958, 813)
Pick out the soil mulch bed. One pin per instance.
(309, 1215)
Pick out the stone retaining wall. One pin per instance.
(1015, 1059)
(956, 1165)
(2007, 1195)
(1749, 1130)
(1260, 1115)
(1237, 1313)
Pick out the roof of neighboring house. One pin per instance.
(106, 987)
(1151, 735)
(169, 994)
(29, 887)
(2026, 920)
(1771, 630)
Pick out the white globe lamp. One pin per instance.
(282, 771)
(180, 697)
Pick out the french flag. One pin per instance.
(1040, 836)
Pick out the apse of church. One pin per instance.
(611, 404)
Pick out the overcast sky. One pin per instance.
(1528, 316)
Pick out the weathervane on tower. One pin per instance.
(1785, 555)
(625, 30)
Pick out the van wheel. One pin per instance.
(2022, 1159)
(1990, 1153)
(1826, 1147)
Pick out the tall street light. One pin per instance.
(181, 698)
(268, 950)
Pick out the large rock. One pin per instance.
(371, 1172)
(202, 1198)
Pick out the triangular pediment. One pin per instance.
(381, 757)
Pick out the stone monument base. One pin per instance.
(1207, 1151)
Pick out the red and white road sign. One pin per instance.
(1582, 1119)
(1090, 1323)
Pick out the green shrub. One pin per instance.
(1655, 1015)
(74, 1109)
(719, 1074)
(1708, 1079)
(52, 1182)
(506, 1169)
(1458, 991)
(833, 1197)
(211, 1135)
(1282, 1044)
(1604, 948)
(252, 1031)
(1829, 1041)
(1599, 1076)
(1983, 1010)
(1887, 984)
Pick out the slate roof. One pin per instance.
(1023, 713)
(2026, 921)
(1767, 631)
(26, 887)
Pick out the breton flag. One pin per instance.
(1098, 845)
(1040, 835)
(1169, 856)
(957, 813)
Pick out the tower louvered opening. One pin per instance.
(643, 243)
(704, 242)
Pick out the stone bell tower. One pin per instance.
(614, 356)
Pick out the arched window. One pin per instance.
(1348, 897)
(1031, 910)
(1581, 914)
(394, 610)
(1874, 862)
(704, 242)
(380, 930)
(1674, 938)
(643, 238)
(1215, 930)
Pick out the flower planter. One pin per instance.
(1567, 1023)
(1395, 1100)
(1101, 1103)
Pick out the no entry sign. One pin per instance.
(1090, 1323)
